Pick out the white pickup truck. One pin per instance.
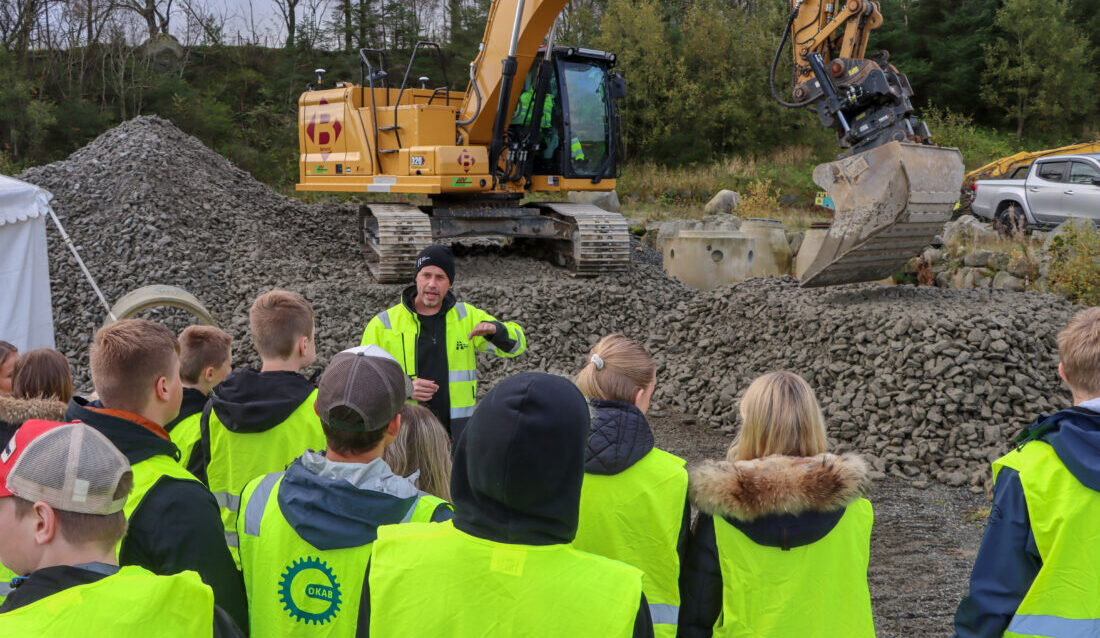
(1054, 189)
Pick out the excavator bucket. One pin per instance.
(889, 203)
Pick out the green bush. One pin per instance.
(1075, 264)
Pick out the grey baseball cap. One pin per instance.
(367, 382)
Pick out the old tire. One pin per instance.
(1010, 221)
(156, 296)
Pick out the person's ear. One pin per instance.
(638, 395)
(1062, 372)
(161, 388)
(208, 373)
(45, 523)
(303, 345)
(395, 425)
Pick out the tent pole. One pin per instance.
(87, 275)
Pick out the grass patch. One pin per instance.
(977, 515)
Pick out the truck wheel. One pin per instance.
(1011, 221)
(156, 296)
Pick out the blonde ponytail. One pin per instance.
(616, 369)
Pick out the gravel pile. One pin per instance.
(932, 384)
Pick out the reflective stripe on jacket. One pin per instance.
(396, 330)
(635, 517)
(1065, 520)
(295, 589)
(238, 457)
(479, 587)
(814, 590)
(133, 602)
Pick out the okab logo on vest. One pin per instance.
(309, 591)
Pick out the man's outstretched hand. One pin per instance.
(424, 389)
(482, 329)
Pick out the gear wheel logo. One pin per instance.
(309, 591)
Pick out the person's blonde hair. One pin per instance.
(127, 358)
(278, 319)
(616, 369)
(1079, 351)
(422, 444)
(200, 348)
(779, 415)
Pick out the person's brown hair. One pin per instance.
(349, 442)
(616, 369)
(102, 530)
(278, 319)
(127, 358)
(779, 415)
(42, 374)
(6, 350)
(1079, 351)
(201, 347)
(422, 445)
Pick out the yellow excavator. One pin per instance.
(1007, 166)
(474, 153)
(892, 189)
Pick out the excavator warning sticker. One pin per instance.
(416, 160)
(462, 181)
(466, 160)
(320, 169)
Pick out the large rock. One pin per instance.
(968, 228)
(607, 200)
(724, 202)
(1007, 282)
(1060, 230)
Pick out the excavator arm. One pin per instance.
(891, 187)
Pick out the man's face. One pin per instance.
(431, 286)
(17, 546)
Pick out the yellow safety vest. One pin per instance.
(186, 436)
(816, 590)
(133, 602)
(5, 582)
(237, 458)
(1064, 599)
(395, 330)
(434, 580)
(146, 475)
(635, 516)
(293, 588)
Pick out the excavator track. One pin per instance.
(891, 201)
(392, 235)
(600, 240)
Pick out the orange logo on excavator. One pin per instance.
(465, 160)
(323, 137)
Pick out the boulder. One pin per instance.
(724, 202)
(968, 228)
(1060, 229)
(1006, 281)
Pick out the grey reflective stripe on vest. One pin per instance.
(460, 308)
(384, 317)
(5, 589)
(462, 413)
(519, 342)
(664, 614)
(412, 510)
(1054, 626)
(254, 510)
(232, 540)
(228, 500)
(458, 376)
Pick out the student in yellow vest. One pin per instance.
(435, 337)
(634, 505)
(63, 487)
(172, 519)
(1037, 572)
(205, 356)
(782, 540)
(422, 452)
(306, 534)
(507, 567)
(258, 422)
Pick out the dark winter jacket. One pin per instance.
(13, 412)
(519, 466)
(1009, 560)
(618, 438)
(248, 402)
(51, 580)
(777, 501)
(177, 526)
(193, 403)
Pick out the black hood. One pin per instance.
(193, 403)
(520, 462)
(1074, 434)
(408, 299)
(250, 401)
(132, 439)
(619, 438)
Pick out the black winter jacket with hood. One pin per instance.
(48, 581)
(519, 466)
(178, 525)
(249, 402)
(777, 501)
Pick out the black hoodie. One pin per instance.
(178, 525)
(519, 465)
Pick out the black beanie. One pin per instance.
(437, 255)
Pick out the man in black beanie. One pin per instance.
(433, 336)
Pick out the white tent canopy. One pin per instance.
(26, 314)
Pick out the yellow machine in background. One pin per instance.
(891, 189)
(474, 153)
(1006, 166)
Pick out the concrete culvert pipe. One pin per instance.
(157, 296)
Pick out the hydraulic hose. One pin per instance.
(775, 61)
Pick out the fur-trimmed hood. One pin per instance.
(15, 411)
(747, 490)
